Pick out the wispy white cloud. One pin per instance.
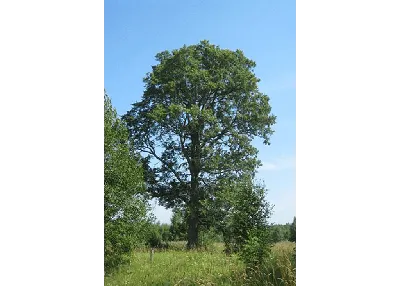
(267, 166)
(281, 163)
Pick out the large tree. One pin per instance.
(125, 207)
(199, 113)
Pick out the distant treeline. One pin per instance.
(162, 234)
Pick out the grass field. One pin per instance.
(212, 267)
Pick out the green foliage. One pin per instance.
(279, 232)
(178, 227)
(165, 231)
(255, 250)
(293, 230)
(154, 239)
(125, 208)
(199, 113)
(240, 209)
(208, 238)
(158, 236)
(271, 266)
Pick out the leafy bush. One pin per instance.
(245, 213)
(125, 206)
(154, 239)
(279, 232)
(256, 250)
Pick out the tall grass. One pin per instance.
(176, 266)
(279, 268)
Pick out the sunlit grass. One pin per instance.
(180, 267)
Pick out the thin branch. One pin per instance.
(152, 152)
(220, 135)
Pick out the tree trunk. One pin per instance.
(194, 203)
(193, 230)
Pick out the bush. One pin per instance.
(154, 239)
(208, 238)
(279, 232)
(256, 250)
(246, 213)
(113, 255)
(125, 206)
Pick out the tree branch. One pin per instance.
(220, 135)
(151, 151)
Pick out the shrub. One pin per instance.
(154, 239)
(256, 250)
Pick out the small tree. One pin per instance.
(242, 211)
(125, 208)
(154, 238)
(245, 226)
(165, 230)
(178, 227)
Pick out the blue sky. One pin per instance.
(135, 31)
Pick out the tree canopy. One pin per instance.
(199, 113)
